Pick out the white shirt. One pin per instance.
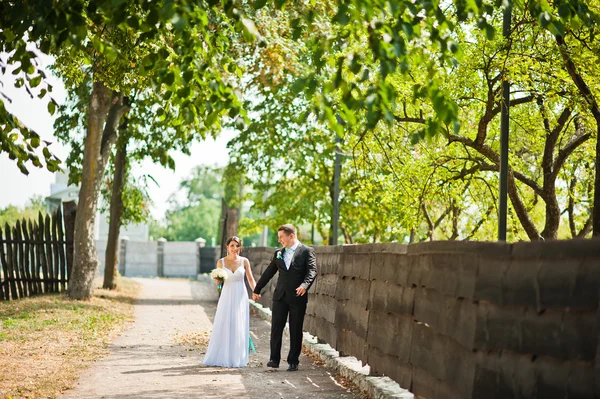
(288, 255)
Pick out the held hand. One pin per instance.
(300, 291)
(256, 297)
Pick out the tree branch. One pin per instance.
(407, 119)
(568, 150)
(571, 207)
(515, 102)
(587, 228)
(442, 216)
(547, 166)
(115, 113)
(495, 158)
(480, 223)
(429, 222)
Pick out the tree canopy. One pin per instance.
(393, 73)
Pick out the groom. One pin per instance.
(297, 267)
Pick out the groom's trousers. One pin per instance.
(296, 310)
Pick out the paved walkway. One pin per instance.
(148, 362)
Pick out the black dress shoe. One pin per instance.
(293, 367)
(273, 363)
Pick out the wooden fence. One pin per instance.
(36, 257)
(462, 320)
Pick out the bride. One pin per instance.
(229, 340)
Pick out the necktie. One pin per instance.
(288, 259)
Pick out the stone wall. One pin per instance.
(156, 258)
(462, 319)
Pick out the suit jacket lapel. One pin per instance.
(282, 262)
(298, 248)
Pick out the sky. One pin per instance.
(17, 188)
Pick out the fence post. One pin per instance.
(69, 213)
(123, 255)
(200, 243)
(160, 257)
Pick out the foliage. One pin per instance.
(188, 223)
(11, 214)
(135, 197)
(197, 211)
(423, 67)
(394, 189)
(175, 47)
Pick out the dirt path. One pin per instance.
(149, 360)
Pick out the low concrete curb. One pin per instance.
(348, 366)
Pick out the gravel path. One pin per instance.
(160, 355)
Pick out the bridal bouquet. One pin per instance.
(219, 275)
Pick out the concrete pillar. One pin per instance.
(200, 243)
(123, 255)
(160, 257)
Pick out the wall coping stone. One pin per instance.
(349, 366)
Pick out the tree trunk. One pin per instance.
(100, 136)
(116, 212)
(590, 99)
(596, 208)
(232, 221)
(229, 224)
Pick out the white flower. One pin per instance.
(218, 274)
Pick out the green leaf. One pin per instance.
(544, 19)
(184, 92)
(279, 4)
(456, 124)
(299, 85)
(240, 123)
(342, 16)
(8, 34)
(169, 78)
(22, 168)
(161, 114)
(51, 107)
(354, 64)
(35, 82)
(258, 4)
(453, 46)
(179, 22)
(490, 32)
(133, 22)
(297, 28)
(111, 53)
(556, 28)
(211, 119)
(250, 28)
(233, 112)
(415, 138)
(564, 10)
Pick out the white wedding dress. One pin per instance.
(229, 340)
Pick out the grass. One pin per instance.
(47, 341)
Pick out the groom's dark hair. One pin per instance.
(287, 229)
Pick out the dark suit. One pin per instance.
(302, 273)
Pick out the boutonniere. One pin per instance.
(279, 255)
